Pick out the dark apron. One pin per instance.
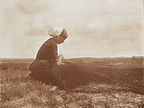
(40, 65)
(41, 70)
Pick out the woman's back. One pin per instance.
(47, 51)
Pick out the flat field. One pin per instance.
(119, 83)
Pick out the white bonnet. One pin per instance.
(55, 31)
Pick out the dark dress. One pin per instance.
(45, 59)
(45, 69)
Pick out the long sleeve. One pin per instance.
(54, 52)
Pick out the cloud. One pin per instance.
(32, 7)
(35, 31)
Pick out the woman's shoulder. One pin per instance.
(50, 41)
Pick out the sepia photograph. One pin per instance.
(71, 53)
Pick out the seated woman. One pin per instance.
(47, 56)
(48, 66)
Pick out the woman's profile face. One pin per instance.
(60, 40)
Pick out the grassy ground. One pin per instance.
(119, 83)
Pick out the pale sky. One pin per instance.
(96, 28)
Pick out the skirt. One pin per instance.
(42, 70)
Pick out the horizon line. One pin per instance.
(76, 57)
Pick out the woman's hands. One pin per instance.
(59, 61)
